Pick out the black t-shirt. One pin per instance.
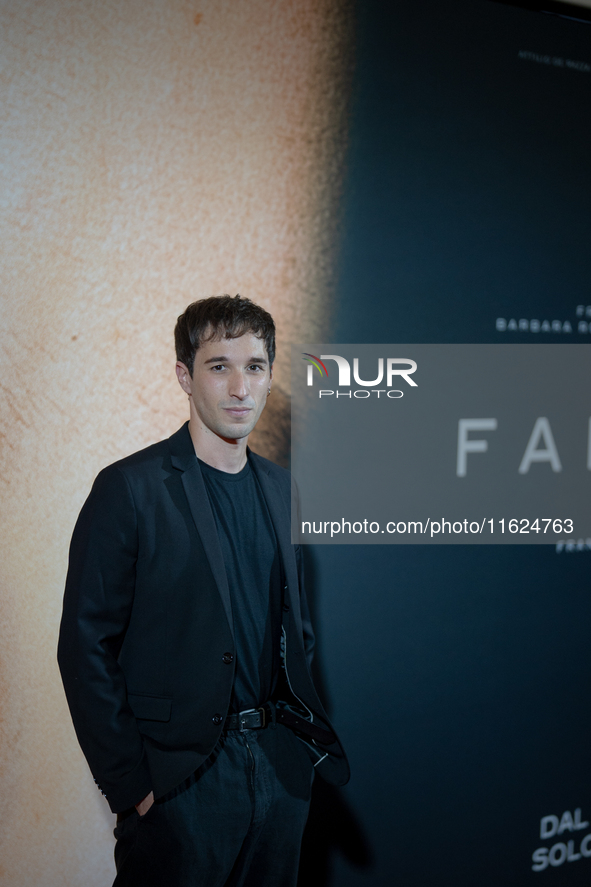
(251, 557)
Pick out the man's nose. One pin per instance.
(239, 386)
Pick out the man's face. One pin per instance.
(230, 383)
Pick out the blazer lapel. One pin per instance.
(279, 510)
(184, 459)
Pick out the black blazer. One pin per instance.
(147, 622)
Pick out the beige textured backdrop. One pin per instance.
(152, 152)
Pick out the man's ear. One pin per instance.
(184, 376)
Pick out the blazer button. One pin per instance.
(286, 607)
(217, 719)
(227, 658)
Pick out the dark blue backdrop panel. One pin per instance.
(460, 682)
(469, 177)
(460, 678)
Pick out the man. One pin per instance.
(185, 643)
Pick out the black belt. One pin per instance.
(257, 718)
(249, 719)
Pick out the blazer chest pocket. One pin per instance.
(150, 708)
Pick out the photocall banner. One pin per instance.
(441, 444)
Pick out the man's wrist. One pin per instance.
(144, 805)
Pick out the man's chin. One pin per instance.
(235, 432)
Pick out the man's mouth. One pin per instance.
(237, 412)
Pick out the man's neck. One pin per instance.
(225, 455)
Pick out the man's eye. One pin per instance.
(218, 366)
(256, 366)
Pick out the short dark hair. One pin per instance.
(226, 317)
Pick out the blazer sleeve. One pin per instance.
(97, 604)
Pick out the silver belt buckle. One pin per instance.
(242, 721)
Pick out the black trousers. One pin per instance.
(237, 822)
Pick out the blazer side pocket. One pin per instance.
(150, 708)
